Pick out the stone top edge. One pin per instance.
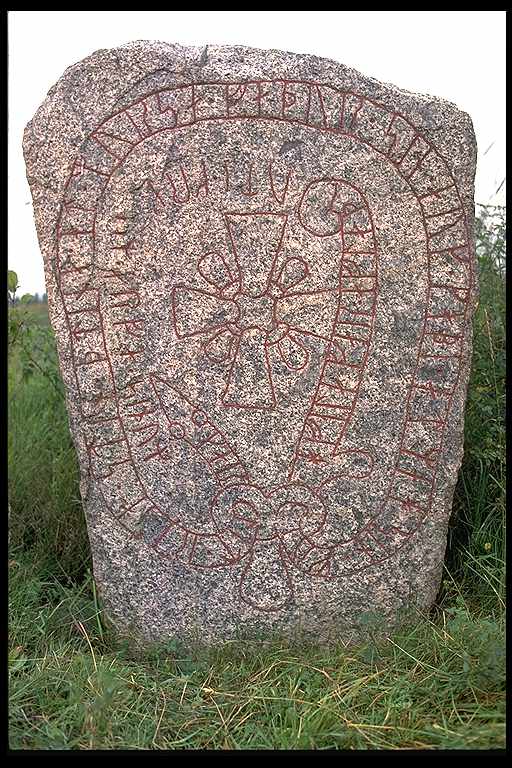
(287, 57)
(109, 79)
(195, 63)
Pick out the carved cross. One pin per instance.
(252, 306)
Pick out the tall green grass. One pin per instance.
(45, 512)
(440, 684)
(477, 542)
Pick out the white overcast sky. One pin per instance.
(458, 55)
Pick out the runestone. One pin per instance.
(261, 274)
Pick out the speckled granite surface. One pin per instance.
(260, 271)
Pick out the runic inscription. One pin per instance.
(265, 288)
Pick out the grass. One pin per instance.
(477, 540)
(438, 685)
(45, 511)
